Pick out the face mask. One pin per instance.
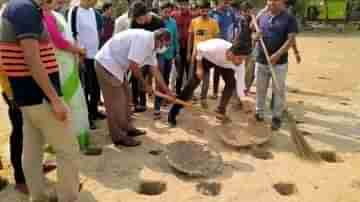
(161, 50)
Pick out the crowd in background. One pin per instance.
(77, 35)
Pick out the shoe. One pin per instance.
(222, 117)
(92, 125)
(172, 119)
(136, 132)
(238, 106)
(259, 117)
(276, 124)
(214, 97)
(48, 167)
(157, 116)
(204, 104)
(100, 116)
(22, 188)
(139, 109)
(127, 142)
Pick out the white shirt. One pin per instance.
(214, 50)
(88, 35)
(122, 23)
(137, 45)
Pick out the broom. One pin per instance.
(303, 149)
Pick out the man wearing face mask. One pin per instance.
(128, 50)
(223, 56)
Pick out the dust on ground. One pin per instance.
(324, 94)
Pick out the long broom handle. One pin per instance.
(267, 55)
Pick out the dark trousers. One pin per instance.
(193, 83)
(16, 140)
(165, 69)
(92, 89)
(216, 81)
(138, 93)
(182, 68)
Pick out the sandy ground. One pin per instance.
(324, 94)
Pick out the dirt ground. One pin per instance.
(324, 94)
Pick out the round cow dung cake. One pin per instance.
(244, 134)
(194, 159)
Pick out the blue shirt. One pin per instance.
(226, 19)
(275, 31)
(22, 19)
(170, 25)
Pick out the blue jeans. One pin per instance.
(165, 69)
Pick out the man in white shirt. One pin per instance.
(128, 50)
(226, 58)
(86, 25)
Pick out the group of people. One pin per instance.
(56, 64)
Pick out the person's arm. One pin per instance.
(160, 80)
(296, 52)
(176, 40)
(199, 65)
(31, 50)
(190, 42)
(284, 48)
(292, 29)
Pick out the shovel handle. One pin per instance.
(172, 99)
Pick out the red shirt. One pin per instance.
(183, 20)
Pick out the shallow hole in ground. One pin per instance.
(149, 187)
(330, 156)
(262, 154)
(306, 133)
(209, 188)
(3, 183)
(156, 152)
(285, 189)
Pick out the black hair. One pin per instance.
(246, 5)
(138, 8)
(241, 48)
(205, 4)
(162, 33)
(106, 6)
(166, 5)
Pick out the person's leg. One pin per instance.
(185, 95)
(279, 94)
(16, 140)
(95, 90)
(33, 153)
(230, 84)
(250, 72)
(205, 83)
(135, 90)
(146, 74)
(61, 137)
(216, 80)
(112, 92)
(263, 76)
(157, 102)
(181, 70)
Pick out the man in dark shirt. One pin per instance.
(28, 59)
(183, 19)
(109, 22)
(279, 30)
(142, 18)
